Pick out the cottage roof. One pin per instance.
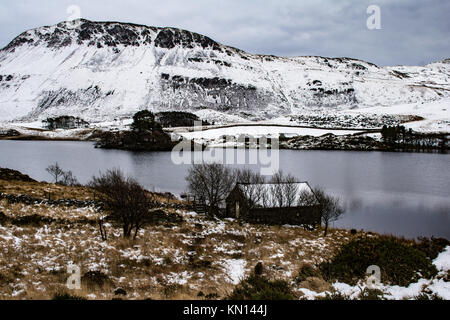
(265, 194)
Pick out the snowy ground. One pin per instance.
(214, 135)
(168, 262)
(436, 114)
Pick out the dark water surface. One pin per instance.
(401, 193)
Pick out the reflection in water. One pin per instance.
(400, 193)
(398, 217)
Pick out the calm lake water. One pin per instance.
(401, 193)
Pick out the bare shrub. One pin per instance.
(125, 198)
(254, 186)
(68, 179)
(290, 188)
(55, 171)
(330, 208)
(65, 178)
(284, 189)
(211, 182)
(277, 188)
(307, 199)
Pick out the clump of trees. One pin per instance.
(211, 183)
(281, 190)
(65, 178)
(146, 134)
(178, 119)
(284, 189)
(255, 190)
(395, 134)
(126, 200)
(65, 122)
(144, 121)
(398, 137)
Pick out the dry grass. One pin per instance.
(316, 284)
(57, 192)
(165, 262)
(41, 190)
(15, 210)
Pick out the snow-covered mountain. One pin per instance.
(106, 70)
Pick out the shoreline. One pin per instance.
(282, 147)
(212, 136)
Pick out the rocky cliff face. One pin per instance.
(100, 71)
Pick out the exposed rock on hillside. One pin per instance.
(101, 71)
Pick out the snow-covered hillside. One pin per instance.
(102, 71)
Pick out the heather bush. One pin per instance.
(260, 288)
(400, 263)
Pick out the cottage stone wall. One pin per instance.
(288, 215)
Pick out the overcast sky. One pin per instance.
(413, 32)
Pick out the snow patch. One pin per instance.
(235, 269)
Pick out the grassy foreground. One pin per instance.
(182, 256)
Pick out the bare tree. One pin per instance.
(65, 178)
(290, 190)
(68, 179)
(284, 189)
(126, 200)
(330, 208)
(211, 182)
(253, 185)
(266, 198)
(277, 189)
(55, 171)
(307, 199)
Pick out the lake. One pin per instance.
(405, 194)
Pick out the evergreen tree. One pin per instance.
(144, 121)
